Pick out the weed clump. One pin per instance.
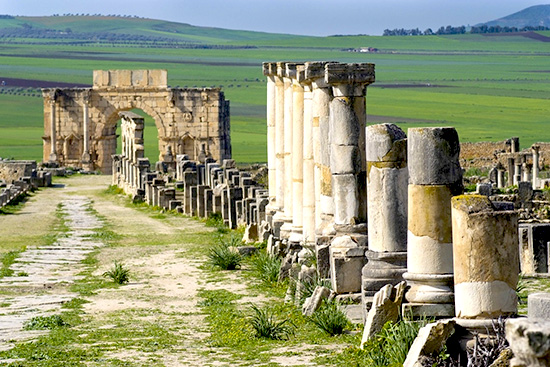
(118, 273)
(45, 323)
(266, 267)
(330, 318)
(225, 255)
(266, 326)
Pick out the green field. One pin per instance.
(488, 87)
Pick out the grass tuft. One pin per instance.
(330, 318)
(224, 255)
(266, 326)
(266, 267)
(118, 273)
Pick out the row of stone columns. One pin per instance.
(316, 158)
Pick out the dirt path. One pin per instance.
(164, 283)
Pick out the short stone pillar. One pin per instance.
(486, 258)
(517, 173)
(387, 180)
(500, 177)
(435, 176)
(535, 150)
(348, 168)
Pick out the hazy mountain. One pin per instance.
(538, 15)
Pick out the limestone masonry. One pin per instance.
(80, 123)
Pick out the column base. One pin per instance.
(276, 224)
(382, 268)
(347, 258)
(429, 288)
(296, 235)
(53, 157)
(437, 310)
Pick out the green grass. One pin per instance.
(489, 88)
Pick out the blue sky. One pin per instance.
(311, 17)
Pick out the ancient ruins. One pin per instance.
(384, 214)
(80, 124)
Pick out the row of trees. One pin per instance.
(460, 30)
(95, 15)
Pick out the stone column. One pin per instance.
(278, 218)
(309, 167)
(500, 176)
(348, 169)
(53, 130)
(510, 167)
(387, 180)
(535, 150)
(297, 155)
(517, 172)
(86, 130)
(435, 176)
(270, 70)
(486, 258)
(526, 171)
(324, 204)
(289, 73)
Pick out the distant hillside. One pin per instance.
(122, 28)
(534, 16)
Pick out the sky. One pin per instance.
(308, 17)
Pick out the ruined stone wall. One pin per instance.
(11, 171)
(482, 154)
(83, 121)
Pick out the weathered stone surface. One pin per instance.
(433, 156)
(385, 307)
(486, 258)
(431, 339)
(250, 233)
(538, 306)
(529, 341)
(312, 303)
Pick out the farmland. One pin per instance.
(488, 87)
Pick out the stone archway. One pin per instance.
(91, 115)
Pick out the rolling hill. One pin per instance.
(115, 27)
(534, 16)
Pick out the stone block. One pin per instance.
(431, 339)
(311, 304)
(529, 341)
(485, 189)
(539, 306)
(345, 268)
(386, 305)
(525, 191)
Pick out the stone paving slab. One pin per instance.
(45, 268)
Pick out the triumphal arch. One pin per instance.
(80, 123)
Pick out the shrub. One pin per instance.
(330, 318)
(118, 273)
(266, 326)
(225, 255)
(266, 267)
(45, 323)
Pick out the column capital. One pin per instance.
(292, 69)
(281, 69)
(340, 73)
(86, 96)
(269, 68)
